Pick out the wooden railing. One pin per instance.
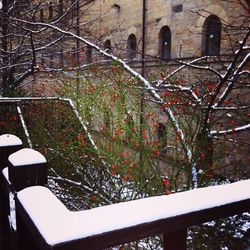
(36, 219)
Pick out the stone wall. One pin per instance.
(117, 19)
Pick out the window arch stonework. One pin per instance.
(107, 46)
(132, 46)
(50, 10)
(165, 42)
(211, 36)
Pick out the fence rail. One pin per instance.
(43, 222)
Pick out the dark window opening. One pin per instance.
(89, 54)
(162, 131)
(74, 9)
(50, 11)
(211, 36)
(107, 46)
(116, 10)
(132, 46)
(162, 136)
(165, 42)
(177, 8)
(60, 7)
(41, 15)
(116, 6)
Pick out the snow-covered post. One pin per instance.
(8, 144)
(27, 167)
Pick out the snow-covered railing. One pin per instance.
(57, 228)
(43, 222)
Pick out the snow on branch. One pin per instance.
(244, 72)
(185, 65)
(19, 111)
(206, 68)
(228, 80)
(229, 131)
(180, 88)
(232, 80)
(229, 108)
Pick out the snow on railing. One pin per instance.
(44, 219)
(58, 226)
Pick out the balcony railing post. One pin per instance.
(27, 167)
(175, 240)
(8, 144)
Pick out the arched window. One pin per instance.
(211, 36)
(162, 136)
(162, 131)
(107, 45)
(50, 10)
(116, 6)
(74, 9)
(132, 46)
(115, 12)
(165, 42)
(41, 15)
(60, 7)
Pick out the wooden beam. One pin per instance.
(176, 240)
(172, 226)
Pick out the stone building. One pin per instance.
(166, 29)
(142, 30)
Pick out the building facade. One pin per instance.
(166, 29)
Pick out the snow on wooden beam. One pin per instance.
(57, 228)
